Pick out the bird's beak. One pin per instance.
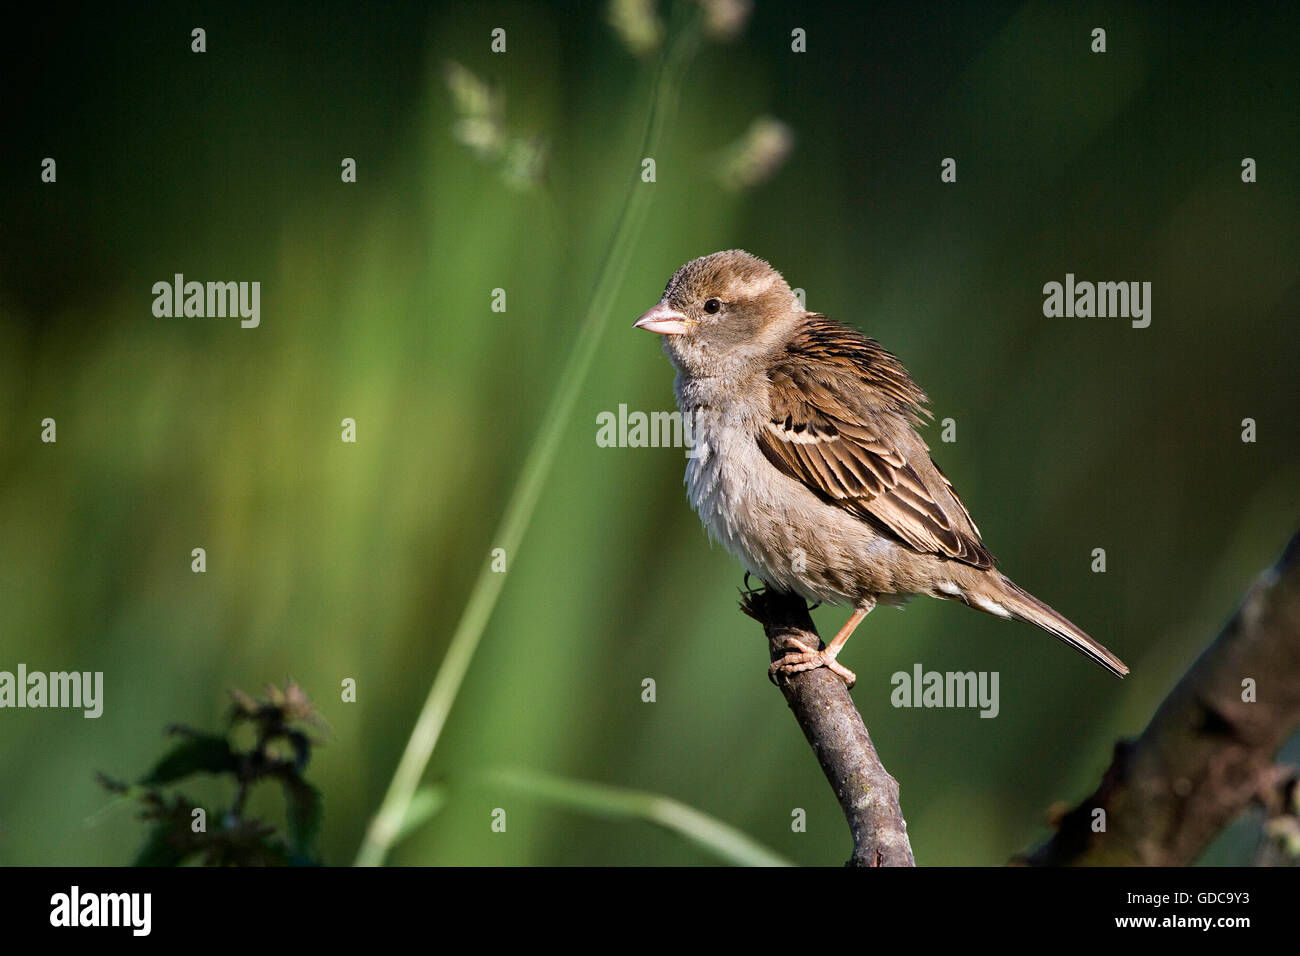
(664, 320)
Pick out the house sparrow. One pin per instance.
(806, 462)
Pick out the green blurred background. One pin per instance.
(329, 560)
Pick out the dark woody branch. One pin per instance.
(1208, 753)
(833, 726)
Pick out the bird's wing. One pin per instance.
(841, 417)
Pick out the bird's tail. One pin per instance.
(1025, 607)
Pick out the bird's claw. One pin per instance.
(808, 658)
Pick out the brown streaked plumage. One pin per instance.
(808, 465)
(824, 389)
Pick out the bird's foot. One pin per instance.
(807, 658)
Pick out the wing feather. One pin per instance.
(842, 417)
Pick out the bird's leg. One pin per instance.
(807, 658)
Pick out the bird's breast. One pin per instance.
(772, 524)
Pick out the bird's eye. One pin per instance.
(712, 306)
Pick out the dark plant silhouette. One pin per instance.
(183, 831)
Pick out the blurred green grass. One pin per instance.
(328, 560)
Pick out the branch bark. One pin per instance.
(1207, 753)
(821, 704)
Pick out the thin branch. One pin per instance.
(821, 704)
(1208, 752)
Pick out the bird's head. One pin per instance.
(722, 313)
